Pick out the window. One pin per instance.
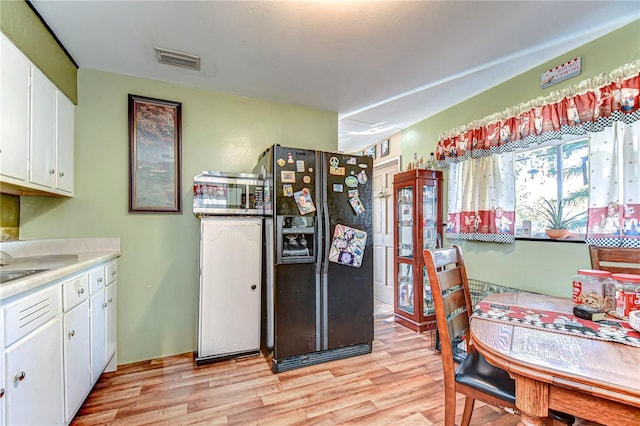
(556, 172)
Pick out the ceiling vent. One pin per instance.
(178, 59)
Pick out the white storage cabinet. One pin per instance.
(33, 359)
(230, 271)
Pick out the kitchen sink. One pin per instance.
(6, 276)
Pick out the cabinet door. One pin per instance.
(3, 385)
(111, 320)
(43, 130)
(77, 375)
(34, 378)
(229, 290)
(14, 108)
(98, 334)
(64, 144)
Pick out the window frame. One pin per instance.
(565, 139)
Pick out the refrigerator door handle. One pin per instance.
(326, 238)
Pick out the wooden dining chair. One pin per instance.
(474, 377)
(617, 260)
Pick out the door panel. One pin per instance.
(383, 231)
(349, 292)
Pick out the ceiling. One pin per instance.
(382, 65)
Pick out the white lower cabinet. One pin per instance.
(98, 334)
(111, 325)
(3, 391)
(77, 374)
(56, 343)
(34, 378)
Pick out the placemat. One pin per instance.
(610, 329)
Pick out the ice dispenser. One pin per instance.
(296, 239)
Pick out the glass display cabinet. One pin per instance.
(418, 218)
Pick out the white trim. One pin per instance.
(387, 162)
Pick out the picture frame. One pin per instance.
(384, 148)
(371, 152)
(155, 147)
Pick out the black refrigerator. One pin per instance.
(318, 256)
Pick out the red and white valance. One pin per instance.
(481, 161)
(588, 106)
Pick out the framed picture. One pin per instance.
(371, 152)
(384, 148)
(154, 155)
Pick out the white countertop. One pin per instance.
(60, 257)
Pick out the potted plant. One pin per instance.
(556, 222)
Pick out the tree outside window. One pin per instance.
(557, 173)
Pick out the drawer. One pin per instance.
(96, 279)
(75, 291)
(112, 272)
(25, 315)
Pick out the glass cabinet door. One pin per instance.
(405, 222)
(427, 299)
(405, 287)
(429, 217)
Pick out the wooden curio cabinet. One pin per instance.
(418, 218)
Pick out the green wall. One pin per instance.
(540, 266)
(158, 270)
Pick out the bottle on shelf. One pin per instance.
(431, 165)
(421, 164)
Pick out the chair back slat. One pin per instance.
(458, 325)
(450, 278)
(444, 257)
(453, 301)
(616, 259)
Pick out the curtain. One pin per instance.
(480, 156)
(614, 186)
(589, 106)
(482, 199)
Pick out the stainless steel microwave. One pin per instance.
(221, 193)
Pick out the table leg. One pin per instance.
(532, 399)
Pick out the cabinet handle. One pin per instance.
(52, 171)
(104, 305)
(1, 392)
(113, 273)
(80, 291)
(20, 376)
(253, 287)
(72, 333)
(61, 173)
(100, 279)
(110, 300)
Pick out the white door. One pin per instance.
(230, 271)
(14, 104)
(383, 230)
(98, 338)
(77, 368)
(34, 389)
(43, 130)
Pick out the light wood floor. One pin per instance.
(400, 383)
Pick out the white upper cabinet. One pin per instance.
(43, 130)
(37, 143)
(14, 111)
(64, 144)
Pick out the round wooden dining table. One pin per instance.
(592, 379)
